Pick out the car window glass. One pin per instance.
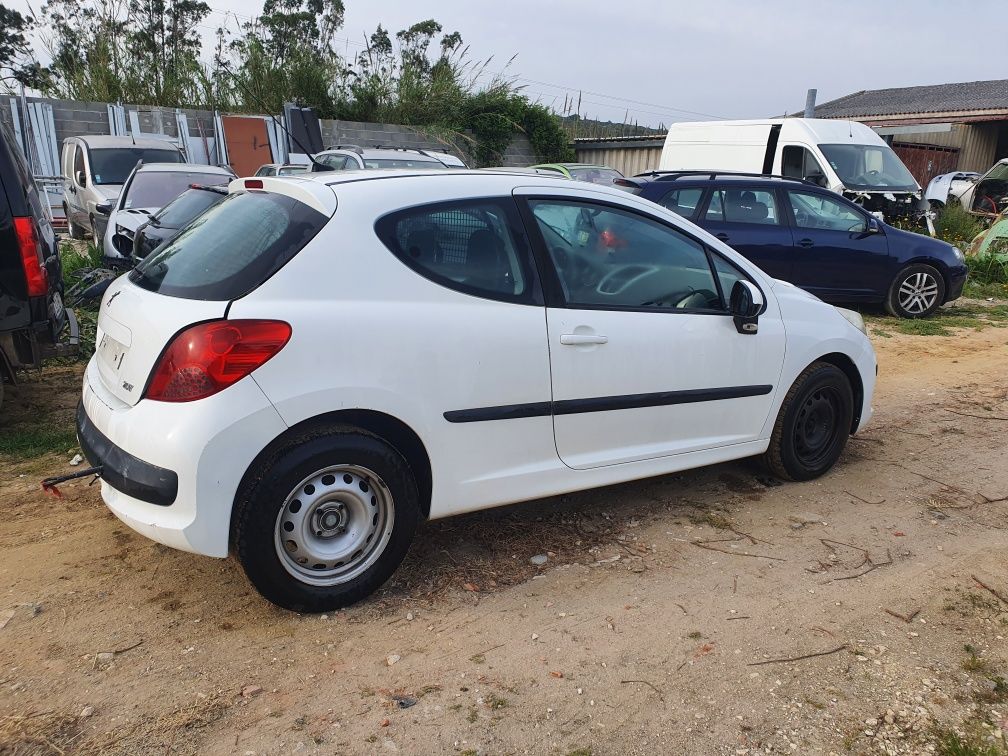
(682, 201)
(743, 206)
(155, 189)
(78, 161)
(727, 275)
(819, 211)
(422, 163)
(266, 170)
(113, 165)
(465, 245)
(615, 258)
(187, 206)
(799, 162)
(336, 162)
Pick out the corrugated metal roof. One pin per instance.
(936, 98)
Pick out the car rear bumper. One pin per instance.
(171, 470)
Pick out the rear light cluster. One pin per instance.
(31, 257)
(208, 357)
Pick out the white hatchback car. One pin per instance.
(318, 363)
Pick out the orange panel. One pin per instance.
(247, 142)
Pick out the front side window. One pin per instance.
(822, 212)
(682, 201)
(113, 165)
(78, 164)
(799, 162)
(470, 246)
(334, 162)
(743, 206)
(608, 257)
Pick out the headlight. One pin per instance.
(854, 318)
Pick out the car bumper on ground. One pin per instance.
(171, 470)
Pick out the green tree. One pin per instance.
(17, 64)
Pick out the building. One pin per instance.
(935, 129)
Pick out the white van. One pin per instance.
(845, 156)
(94, 169)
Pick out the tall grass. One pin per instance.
(956, 226)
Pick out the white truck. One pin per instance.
(845, 156)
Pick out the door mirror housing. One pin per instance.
(820, 179)
(873, 226)
(745, 305)
(80, 178)
(104, 208)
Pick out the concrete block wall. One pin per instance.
(73, 118)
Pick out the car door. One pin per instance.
(645, 361)
(78, 170)
(840, 252)
(748, 219)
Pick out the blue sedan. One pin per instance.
(799, 232)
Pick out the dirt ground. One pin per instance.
(667, 619)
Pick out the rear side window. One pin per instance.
(231, 249)
(682, 201)
(743, 206)
(470, 246)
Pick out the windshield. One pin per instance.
(998, 173)
(231, 248)
(187, 206)
(157, 188)
(401, 163)
(113, 166)
(869, 167)
(595, 175)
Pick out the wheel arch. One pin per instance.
(847, 366)
(391, 429)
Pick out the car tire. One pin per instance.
(916, 292)
(75, 231)
(813, 424)
(327, 519)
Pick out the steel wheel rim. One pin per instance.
(918, 293)
(817, 426)
(334, 525)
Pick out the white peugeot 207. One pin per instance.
(318, 363)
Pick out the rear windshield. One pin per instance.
(187, 206)
(231, 249)
(113, 165)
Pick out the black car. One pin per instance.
(34, 323)
(166, 223)
(799, 232)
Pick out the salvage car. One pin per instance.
(799, 232)
(166, 223)
(988, 195)
(149, 187)
(34, 324)
(376, 348)
(593, 174)
(948, 186)
(350, 157)
(94, 171)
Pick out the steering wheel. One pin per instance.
(868, 178)
(802, 218)
(691, 298)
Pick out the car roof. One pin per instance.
(183, 168)
(100, 142)
(717, 177)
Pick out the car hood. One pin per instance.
(133, 218)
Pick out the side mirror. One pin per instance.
(80, 178)
(745, 305)
(105, 208)
(873, 226)
(820, 179)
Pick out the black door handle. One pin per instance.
(723, 236)
(806, 243)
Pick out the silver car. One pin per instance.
(94, 169)
(148, 188)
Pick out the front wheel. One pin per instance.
(813, 424)
(328, 520)
(916, 292)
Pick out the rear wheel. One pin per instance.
(329, 519)
(813, 424)
(916, 292)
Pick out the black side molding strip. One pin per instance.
(604, 403)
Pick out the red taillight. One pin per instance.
(209, 357)
(253, 184)
(31, 257)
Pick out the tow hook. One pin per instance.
(50, 485)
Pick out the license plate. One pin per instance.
(112, 351)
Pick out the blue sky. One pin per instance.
(674, 60)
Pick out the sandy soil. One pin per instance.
(656, 625)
